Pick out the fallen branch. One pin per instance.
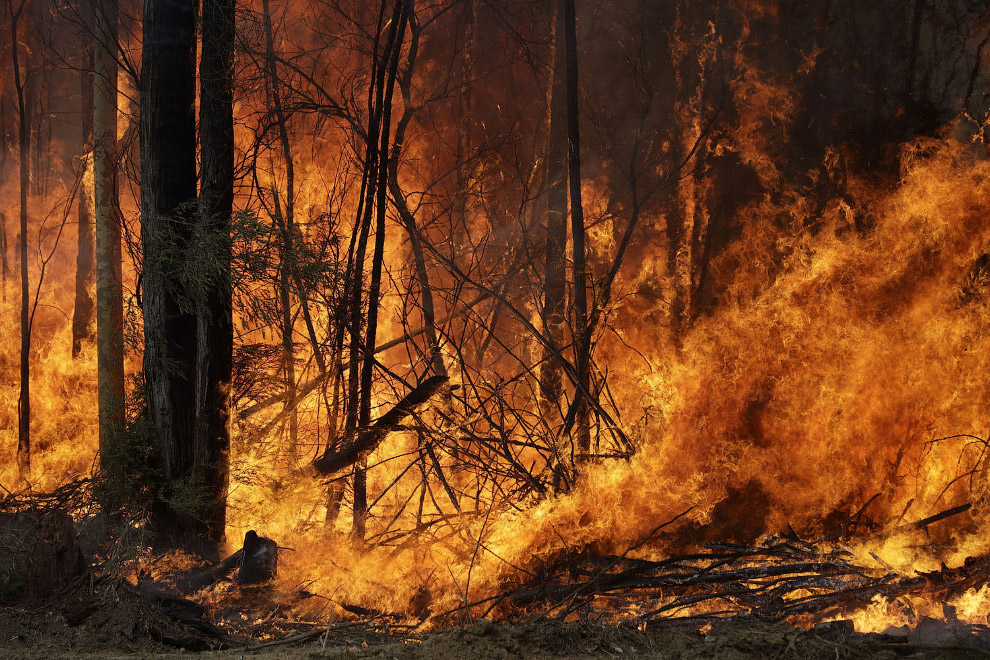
(781, 579)
(369, 438)
(921, 524)
(303, 390)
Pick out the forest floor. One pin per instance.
(122, 632)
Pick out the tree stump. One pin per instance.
(259, 562)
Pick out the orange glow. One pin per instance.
(831, 380)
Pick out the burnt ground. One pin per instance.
(99, 616)
(128, 627)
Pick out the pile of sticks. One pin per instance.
(782, 578)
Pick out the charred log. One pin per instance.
(255, 562)
(365, 440)
(259, 559)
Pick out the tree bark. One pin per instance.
(215, 328)
(555, 286)
(582, 339)
(22, 88)
(82, 314)
(109, 286)
(168, 196)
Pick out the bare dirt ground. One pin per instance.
(128, 631)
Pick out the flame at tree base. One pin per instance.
(840, 389)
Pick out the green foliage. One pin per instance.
(259, 253)
(132, 455)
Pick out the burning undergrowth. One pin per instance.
(788, 334)
(843, 401)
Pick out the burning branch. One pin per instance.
(368, 438)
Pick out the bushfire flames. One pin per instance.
(788, 293)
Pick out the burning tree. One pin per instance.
(481, 293)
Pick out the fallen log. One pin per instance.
(209, 575)
(367, 439)
(305, 388)
(921, 524)
(256, 561)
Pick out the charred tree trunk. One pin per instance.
(22, 87)
(374, 178)
(689, 219)
(82, 314)
(582, 338)
(168, 198)
(555, 285)
(109, 286)
(427, 303)
(400, 18)
(215, 328)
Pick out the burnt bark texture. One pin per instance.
(23, 87)
(84, 307)
(582, 338)
(109, 287)
(555, 283)
(215, 333)
(168, 212)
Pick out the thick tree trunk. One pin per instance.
(109, 287)
(215, 329)
(168, 198)
(688, 221)
(82, 314)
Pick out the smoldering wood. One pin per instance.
(255, 562)
(365, 440)
(210, 575)
(942, 515)
(781, 578)
(259, 559)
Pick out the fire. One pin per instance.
(825, 375)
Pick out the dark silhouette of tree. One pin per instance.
(23, 86)
(215, 330)
(83, 329)
(168, 205)
(109, 278)
(582, 339)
